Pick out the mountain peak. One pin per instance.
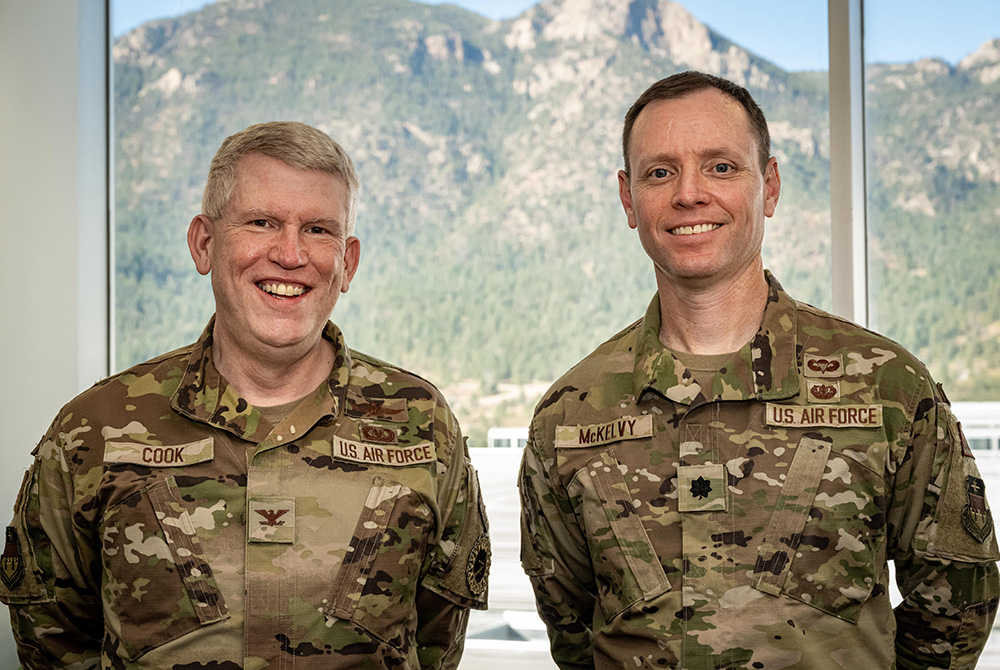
(662, 27)
(605, 21)
(985, 59)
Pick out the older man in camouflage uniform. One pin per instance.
(263, 498)
(722, 484)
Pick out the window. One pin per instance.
(495, 253)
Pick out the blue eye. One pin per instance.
(722, 168)
(660, 173)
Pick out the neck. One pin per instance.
(273, 379)
(716, 318)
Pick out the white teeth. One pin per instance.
(694, 230)
(283, 289)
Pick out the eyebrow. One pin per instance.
(714, 152)
(266, 214)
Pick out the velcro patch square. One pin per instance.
(271, 519)
(702, 488)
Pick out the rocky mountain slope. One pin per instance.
(494, 247)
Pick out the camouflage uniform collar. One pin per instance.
(204, 395)
(764, 368)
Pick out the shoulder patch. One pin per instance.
(976, 519)
(477, 568)
(165, 456)
(11, 563)
(625, 428)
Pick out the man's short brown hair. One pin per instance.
(686, 83)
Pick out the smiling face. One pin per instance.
(279, 258)
(696, 192)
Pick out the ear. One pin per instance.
(625, 195)
(352, 257)
(772, 187)
(200, 235)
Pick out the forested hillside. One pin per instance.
(495, 253)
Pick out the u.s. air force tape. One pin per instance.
(384, 454)
(827, 416)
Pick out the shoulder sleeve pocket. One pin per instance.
(462, 578)
(962, 528)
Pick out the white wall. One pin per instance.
(53, 304)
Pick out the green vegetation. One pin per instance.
(494, 247)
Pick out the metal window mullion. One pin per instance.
(847, 161)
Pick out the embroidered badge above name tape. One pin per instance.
(384, 454)
(373, 432)
(165, 456)
(383, 409)
(271, 519)
(827, 416)
(625, 428)
(823, 391)
(823, 366)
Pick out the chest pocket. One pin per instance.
(626, 566)
(819, 544)
(376, 584)
(156, 576)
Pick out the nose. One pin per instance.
(690, 190)
(287, 249)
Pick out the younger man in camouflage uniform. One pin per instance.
(722, 484)
(265, 497)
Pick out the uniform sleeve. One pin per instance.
(946, 549)
(556, 560)
(458, 573)
(54, 604)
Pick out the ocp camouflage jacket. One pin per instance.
(749, 524)
(165, 524)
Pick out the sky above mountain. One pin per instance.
(790, 33)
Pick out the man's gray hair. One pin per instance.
(296, 144)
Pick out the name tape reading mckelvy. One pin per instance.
(381, 454)
(625, 428)
(828, 416)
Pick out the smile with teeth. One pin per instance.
(282, 290)
(694, 230)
